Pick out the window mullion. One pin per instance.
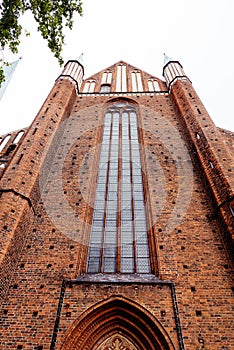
(132, 196)
(118, 248)
(106, 199)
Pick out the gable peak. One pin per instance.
(122, 77)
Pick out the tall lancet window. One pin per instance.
(136, 81)
(121, 78)
(119, 241)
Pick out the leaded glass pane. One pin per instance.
(137, 185)
(140, 225)
(110, 237)
(139, 205)
(112, 205)
(127, 265)
(142, 237)
(100, 196)
(126, 173)
(126, 214)
(109, 250)
(96, 238)
(93, 264)
(126, 196)
(142, 251)
(110, 214)
(139, 215)
(127, 250)
(136, 171)
(126, 232)
(109, 264)
(101, 187)
(126, 187)
(126, 205)
(102, 172)
(111, 226)
(112, 187)
(143, 265)
(138, 196)
(98, 214)
(102, 179)
(125, 165)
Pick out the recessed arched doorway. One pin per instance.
(117, 324)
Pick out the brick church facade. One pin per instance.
(117, 215)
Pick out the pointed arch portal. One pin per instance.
(117, 324)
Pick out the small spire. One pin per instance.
(167, 59)
(80, 59)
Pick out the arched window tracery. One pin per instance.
(117, 342)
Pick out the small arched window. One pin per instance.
(89, 86)
(137, 81)
(106, 77)
(153, 85)
(105, 88)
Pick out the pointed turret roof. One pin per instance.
(80, 59)
(167, 59)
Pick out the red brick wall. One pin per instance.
(189, 242)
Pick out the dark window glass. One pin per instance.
(105, 88)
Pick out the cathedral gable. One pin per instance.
(123, 78)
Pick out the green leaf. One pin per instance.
(51, 15)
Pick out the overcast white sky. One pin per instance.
(197, 33)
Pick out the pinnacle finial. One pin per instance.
(167, 59)
(80, 59)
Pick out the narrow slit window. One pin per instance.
(211, 165)
(119, 239)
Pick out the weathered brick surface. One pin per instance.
(46, 222)
(212, 152)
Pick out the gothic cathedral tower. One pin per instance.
(117, 218)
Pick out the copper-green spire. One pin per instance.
(167, 59)
(80, 59)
